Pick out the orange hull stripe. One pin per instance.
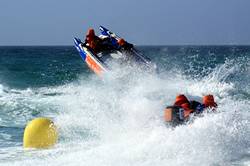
(93, 65)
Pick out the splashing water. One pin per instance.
(119, 121)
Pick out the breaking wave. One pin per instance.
(119, 121)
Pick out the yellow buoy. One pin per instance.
(40, 133)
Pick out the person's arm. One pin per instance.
(84, 44)
(129, 45)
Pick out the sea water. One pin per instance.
(118, 120)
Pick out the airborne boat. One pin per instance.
(99, 62)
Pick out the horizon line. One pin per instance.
(159, 45)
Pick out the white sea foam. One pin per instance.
(119, 122)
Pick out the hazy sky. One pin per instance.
(143, 22)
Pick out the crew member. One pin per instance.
(124, 45)
(95, 43)
(194, 106)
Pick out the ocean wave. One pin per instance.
(120, 121)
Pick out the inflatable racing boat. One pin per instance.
(99, 62)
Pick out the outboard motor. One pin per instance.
(174, 115)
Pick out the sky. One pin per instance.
(141, 22)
